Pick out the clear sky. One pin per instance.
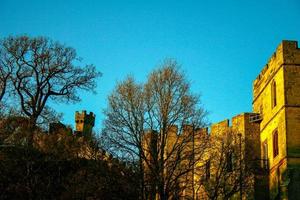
(221, 45)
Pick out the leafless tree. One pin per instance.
(42, 70)
(4, 77)
(157, 107)
(170, 103)
(124, 124)
(231, 173)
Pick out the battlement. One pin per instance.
(287, 53)
(58, 127)
(219, 127)
(84, 122)
(84, 113)
(83, 117)
(240, 123)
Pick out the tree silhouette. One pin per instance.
(140, 122)
(41, 70)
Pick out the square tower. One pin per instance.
(84, 123)
(276, 97)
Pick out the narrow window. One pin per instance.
(273, 94)
(207, 169)
(265, 154)
(275, 144)
(261, 109)
(229, 164)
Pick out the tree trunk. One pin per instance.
(142, 178)
(30, 131)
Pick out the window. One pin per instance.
(207, 169)
(273, 94)
(229, 162)
(205, 172)
(275, 143)
(261, 109)
(265, 154)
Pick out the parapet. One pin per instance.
(220, 127)
(287, 53)
(59, 128)
(202, 131)
(239, 124)
(84, 113)
(83, 117)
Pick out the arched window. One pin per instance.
(275, 143)
(265, 154)
(273, 94)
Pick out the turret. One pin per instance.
(84, 123)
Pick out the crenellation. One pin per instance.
(268, 136)
(274, 138)
(276, 97)
(202, 131)
(286, 53)
(219, 127)
(84, 122)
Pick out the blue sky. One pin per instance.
(221, 45)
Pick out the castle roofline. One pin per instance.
(83, 112)
(280, 56)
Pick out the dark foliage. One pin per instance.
(50, 173)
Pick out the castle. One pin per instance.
(271, 134)
(84, 123)
(274, 124)
(276, 98)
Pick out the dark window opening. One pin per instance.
(274, 94)
(229, 164)
(265, 155)
(275, 144)
(207, 169)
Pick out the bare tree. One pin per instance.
(148, 122)
(231, 173)
(4, 74)
(124, 124)
(170, 104)
(43, 70)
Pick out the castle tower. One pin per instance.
(245, 133)
(276, 97)
(84, 123)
